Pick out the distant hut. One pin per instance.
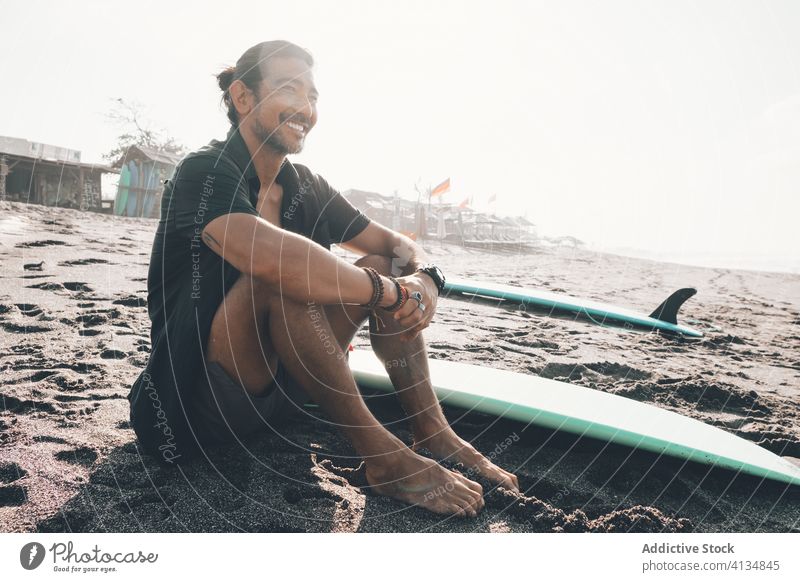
(507, 229)
(486, 226)
(50, 175)
(143, 172)
(391, 211)
(376, 206)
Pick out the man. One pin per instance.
(252, 314)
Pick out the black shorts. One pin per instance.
(224, 411)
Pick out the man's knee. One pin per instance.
(251, 290)
(253, 296)
(384, 265)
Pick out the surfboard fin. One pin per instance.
(668, 311)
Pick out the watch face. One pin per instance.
(436, 273)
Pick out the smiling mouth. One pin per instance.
(297, 128)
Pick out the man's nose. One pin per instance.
(308, 109)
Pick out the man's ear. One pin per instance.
(242, 98)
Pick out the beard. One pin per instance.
(273, 139)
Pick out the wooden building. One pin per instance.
(50, 175)
(446, 222)
(391, 211)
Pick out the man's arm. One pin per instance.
(376, 239)
(298, 267)
(407, 255)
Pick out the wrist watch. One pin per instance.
(434, 273)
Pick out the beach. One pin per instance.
(74, 334)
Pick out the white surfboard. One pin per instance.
(584, 411)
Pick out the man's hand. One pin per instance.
(413, 319)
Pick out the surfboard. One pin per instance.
(147, 185)
(664, 317)
(121, 201)
(583, 411)
(140, 200)
(134, 192)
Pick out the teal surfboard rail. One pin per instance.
(585, 412)
(595, 311)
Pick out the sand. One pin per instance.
(74, 334)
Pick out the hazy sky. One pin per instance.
(663, 126)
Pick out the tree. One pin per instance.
(137, 133)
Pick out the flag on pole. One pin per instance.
(442, 188)
(492, 198)
(466, 203)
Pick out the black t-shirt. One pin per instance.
(187, 281)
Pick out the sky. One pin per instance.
(663, 129)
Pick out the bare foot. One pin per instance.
(408, 477)
(447, 445)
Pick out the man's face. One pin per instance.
(286, 107)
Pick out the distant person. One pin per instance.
(252, 315)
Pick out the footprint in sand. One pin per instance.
(113, 354)
(45, 438)
(37, 376)
(29, 310)
(12, 327)
(90, 319)
(11, 494)
(49, 286)
(131, 301)
(96, 317)
(81, 262)
(721, 397)
(80, 456)
(22, 405)
(77, 286)
(26, 350)
(10, 472)
(89, 332)
(40, 243)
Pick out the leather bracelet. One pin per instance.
(372, 281)
(377, 288)
(396, 304)
(402, 296)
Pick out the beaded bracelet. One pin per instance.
(402, 296)
(377, 288)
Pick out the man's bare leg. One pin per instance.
(407, 365)
(392, 469)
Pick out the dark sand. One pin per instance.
(74, 334)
